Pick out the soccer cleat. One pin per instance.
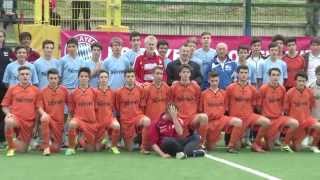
(11, 152)
(198, 153)
(256, 148)
(70, 152)
(314, 149)
(46, 152)
(232, 151)
(286, 148)
(180, 155)
(145, 152)
(115, 150)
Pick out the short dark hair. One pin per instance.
(84, 69)
(272, 45)
(162, 43)
(156, 68)
(96, 44)
(244, 47)
(301, 74)
(103, 71)
(278, 37)
(129, 70)
(53, 71)
(290, 40)
(242, 67)
(21, 68)
(315, 40)
(47, 41)
(134, 34)
(185, 66)
(317, 70)
(274, 69)
(24, 35)
(73, 41)
(255, 40)
(17, 48)
(205, 33)
(213, 74)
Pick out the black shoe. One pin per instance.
(198, 153)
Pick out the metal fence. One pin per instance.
(186, 17)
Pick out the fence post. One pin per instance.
(37, 11)
(46, 11)
(247, 18)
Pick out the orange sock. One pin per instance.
(9, 137)
(203, 129)
(261, 133)
(144, 141)
(115, 136)
(235, 136)
(72, 138)
(45, 133)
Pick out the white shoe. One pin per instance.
(314, 149)
(180, 155)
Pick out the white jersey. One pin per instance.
(316, 91)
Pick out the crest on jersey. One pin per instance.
(84, 46)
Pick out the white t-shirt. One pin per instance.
(314, 62)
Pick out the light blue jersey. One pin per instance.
(131, 55)
(42, 66)
(264, 66)
(206, 57)
(69, 70)
(10, 76)
(116, 68)
(252, 73)
(166, 62)
(94, 79)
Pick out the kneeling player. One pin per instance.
(167, 137)
(19, 105)
(129, 103)
(213, 103)
(299, 103)
(104, 110)
(272, 99)
(82, 113)
(51, 104)
(186, 95)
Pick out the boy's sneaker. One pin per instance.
(115, 150)
(181, 155)
(315, 149)
(286, 148)
(11, 152)
(70, 152)
(46, 152)
(198, 153)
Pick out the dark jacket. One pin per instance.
(173, 72)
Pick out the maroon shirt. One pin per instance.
(161, 129)
(32, 56)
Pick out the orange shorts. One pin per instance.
(129, 128)
(250, 120)
(308, 123)
(102, 127)
(216, 126)
(88, 129)
(24, 130)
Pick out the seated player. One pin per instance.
(186, 95)
(129, 103)
(241, 101)
(167, 137)
(19, 105)
(82, 114)
(213, 103)
(105, 100)
(51, 104)
(299, 103)
(271, 102)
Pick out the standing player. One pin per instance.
(129, 103)
(46, 62)
(51, 104)
(162, 48)
(299, 103)
(82, 114)
(135, 51)
(25, 40)
(213, 103)
(186, 95)
(105, 100)
(271, 102)
(241, 101)
(19, 105)
(11, 74)
(95, 64)
(116, 65)
(315, 87)
(145, 63)
(243, 52)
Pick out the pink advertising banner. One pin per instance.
(86, 38)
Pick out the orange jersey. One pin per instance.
(104, 104)
(186, 97)
(52, 101)
(213, 103)
(129, 102)
(82, 104)
(156, 100)
(241, 100)
(299, 104)
(22, 101)
(271, 100)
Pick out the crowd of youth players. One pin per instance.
(179, 108)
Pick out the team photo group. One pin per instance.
(143, 100)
